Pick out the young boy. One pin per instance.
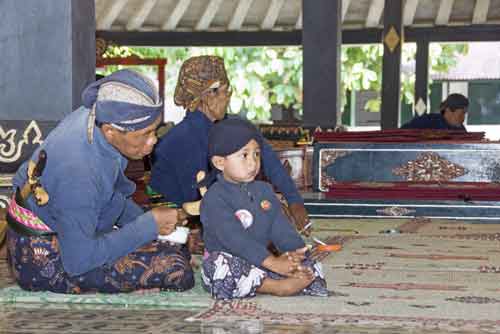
(240, 216)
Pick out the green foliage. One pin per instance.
(443, 56)
(362, 67)
(262, 77)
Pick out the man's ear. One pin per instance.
(218, 162)
(109, 132)
(106, 128)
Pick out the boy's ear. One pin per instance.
(218, 162)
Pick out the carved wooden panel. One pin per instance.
(370, 162)
(18, 140)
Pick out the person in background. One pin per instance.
(451, 116)
(86, 234)
(204, 91)
(240, 216)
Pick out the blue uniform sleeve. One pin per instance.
(166, 180)
(76, 204)
(412, 124)
(130, 212)
(277, 174)
(417, 123)
(283, 233)
(220, 221)
(431, 121)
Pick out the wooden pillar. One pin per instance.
(391, 64)
(421, 76)
(321, 40)
(48, 57)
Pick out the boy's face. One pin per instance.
(241, 166)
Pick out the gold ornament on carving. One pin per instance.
(395, 211)
(430, 167)
(10, 150)
(392, 39)
(327, 158)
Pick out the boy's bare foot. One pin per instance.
(284, 287)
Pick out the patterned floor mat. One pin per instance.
(428, 277)
(195, 298)
(402, 280)
(241, 310)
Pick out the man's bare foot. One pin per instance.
(194, 263)
(146, 291)
(285, 287)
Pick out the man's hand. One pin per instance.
(195, 242)
(168, 218)
(300, 218)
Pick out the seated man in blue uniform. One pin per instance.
(204, 91)
(451, 116)
(240, 216)
(95, 237)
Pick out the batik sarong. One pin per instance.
(36, 264)
(226, 276)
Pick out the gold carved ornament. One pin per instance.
(392, 39)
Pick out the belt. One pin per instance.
(25, 222)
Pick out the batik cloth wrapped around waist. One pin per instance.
(35, 260)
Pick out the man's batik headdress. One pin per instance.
(127, 100)
(198, 74)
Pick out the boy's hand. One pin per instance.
(289, 264)
(296, 256)
(279, 264)
(299, 270)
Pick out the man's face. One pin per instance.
(216, 102)
(135, 145)
(455, 118)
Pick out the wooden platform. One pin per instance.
(318, 206)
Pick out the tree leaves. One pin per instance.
(261, 77)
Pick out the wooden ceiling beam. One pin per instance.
(345, 7)
(208, 15)
(480, 15)
(298, 24)
(444, 12)
(374, 13)
(479, 33)
(272, 14)
(105, 21)
(98, 13)
(409, 11)
(176, 15)
(138, 18)
(239, 15)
